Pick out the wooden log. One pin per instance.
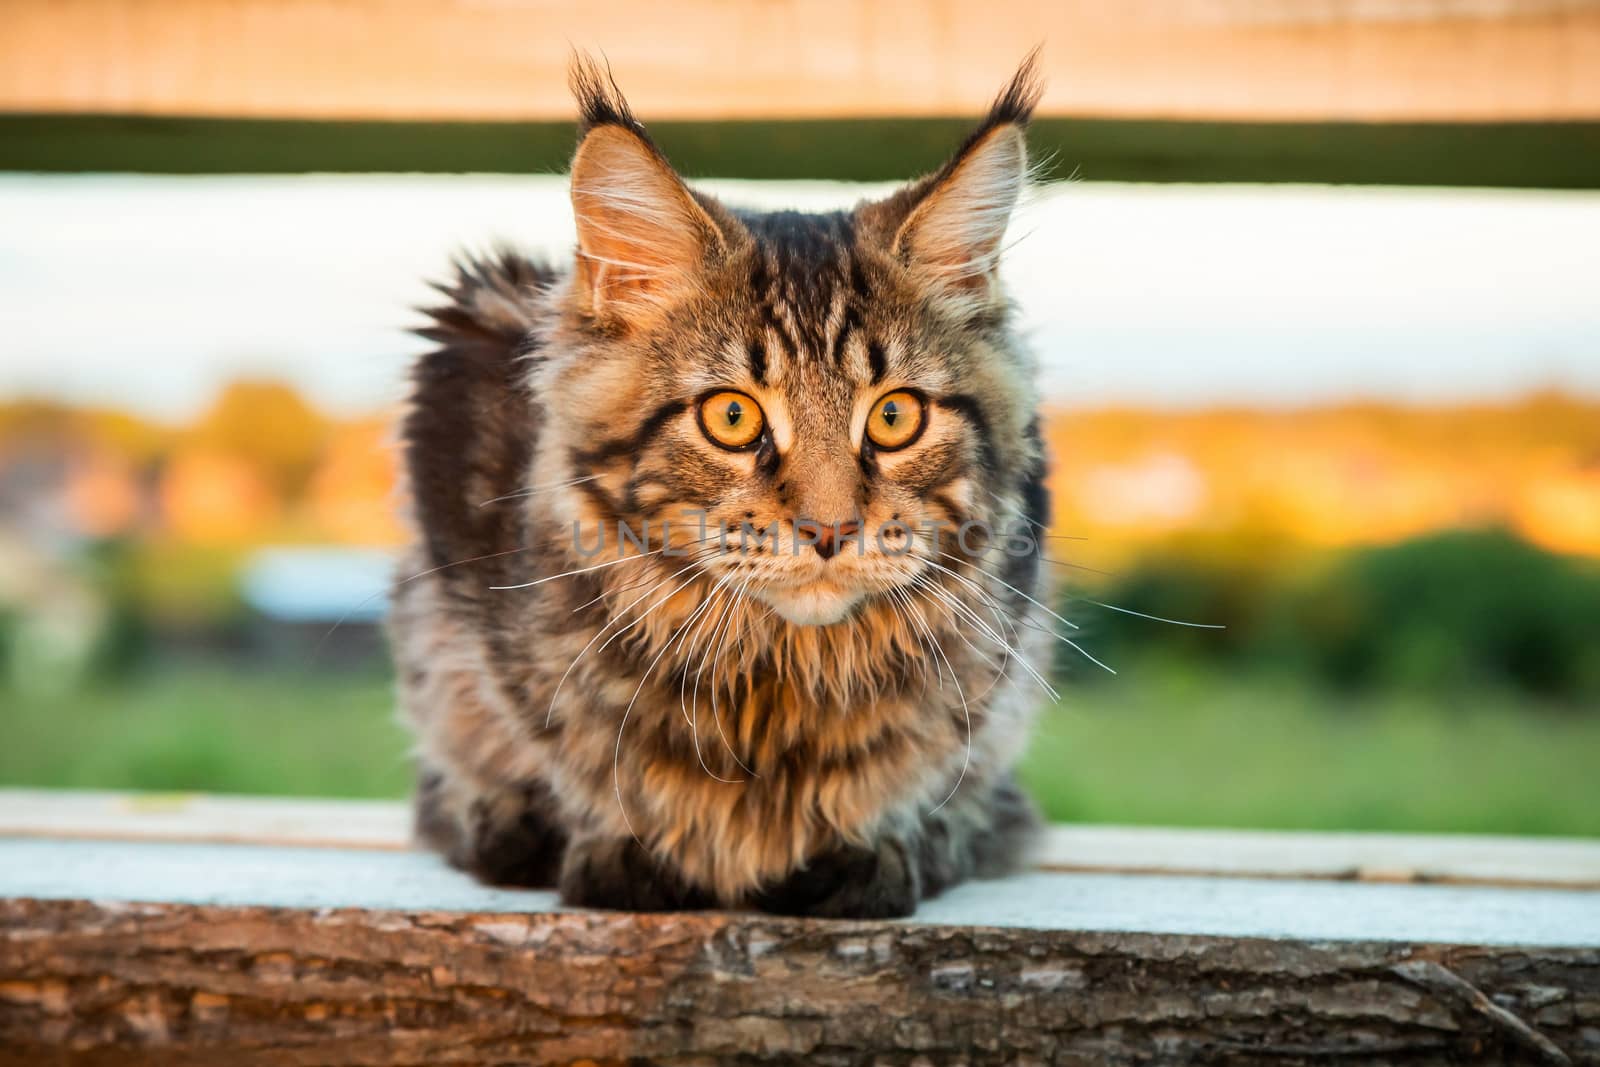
(180, 954)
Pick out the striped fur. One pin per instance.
(816, 735)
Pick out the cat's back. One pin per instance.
(472, 423)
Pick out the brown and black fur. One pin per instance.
(725, 740)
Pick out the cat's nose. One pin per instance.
(829, 537)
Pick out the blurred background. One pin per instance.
(1315, 288)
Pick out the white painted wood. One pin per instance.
(1472, 859)
(1373, 857)
(317, 878)
(382, 824)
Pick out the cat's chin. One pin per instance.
(814, 605)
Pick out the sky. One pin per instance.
(151, 292)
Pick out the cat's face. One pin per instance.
(816, 408)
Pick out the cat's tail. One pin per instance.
(492, 305)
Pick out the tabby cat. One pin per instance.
(718, 596)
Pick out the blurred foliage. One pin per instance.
(1446, 612)
(178, 585)
(270, 427)
(124, 640)
(1549, 155)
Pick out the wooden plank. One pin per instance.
(147, 953)
(1425, 60)
(316, 878)
(1441, 858)
(382, 824)
(1467, 859)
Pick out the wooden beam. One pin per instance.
(161, 953)
(1467, 859)
(1369, 60)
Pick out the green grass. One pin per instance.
(1160, 745)
(330, 735)
(1532, 154)
(1178, 747)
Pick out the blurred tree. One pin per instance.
(269, 426)
(1456, 609)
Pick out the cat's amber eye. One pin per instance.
(896, 420)
(731, 420)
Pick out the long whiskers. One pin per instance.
(998, 669)
(1152, 618)
(966, 712)
(615, 618)
(533, 490)
(966, 613)
(342, 619)
(693, 718)
(616, 752)
(721, 640)
(578, 570)
(1069, 642)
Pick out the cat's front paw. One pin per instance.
(620, 875)
(849, 882)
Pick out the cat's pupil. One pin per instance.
(890, 413)
(735, 413)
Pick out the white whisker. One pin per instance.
(579, 570)
(716, 716)
(533, 489)
(966, 712)
(1069, 642)
(616, 617)
(694, 719)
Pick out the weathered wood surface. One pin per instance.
(1472, 859)
(169, 953)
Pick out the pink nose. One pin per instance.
(829, 537)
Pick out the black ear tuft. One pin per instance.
(1013, 107)
(600, 102)
(1017, 100)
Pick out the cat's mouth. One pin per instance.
(815, 603)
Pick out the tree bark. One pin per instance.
(183, 984)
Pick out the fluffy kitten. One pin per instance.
(817, 713)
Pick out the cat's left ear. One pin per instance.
(952, 234)
(644, 240)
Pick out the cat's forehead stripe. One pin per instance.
(877, 361)
(811, 290)
(757, 351)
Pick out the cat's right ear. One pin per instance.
(644, 242)
(948, 227)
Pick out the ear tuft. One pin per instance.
(952, 235)
(643, 239)
(1021, 95)
(600, 101)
